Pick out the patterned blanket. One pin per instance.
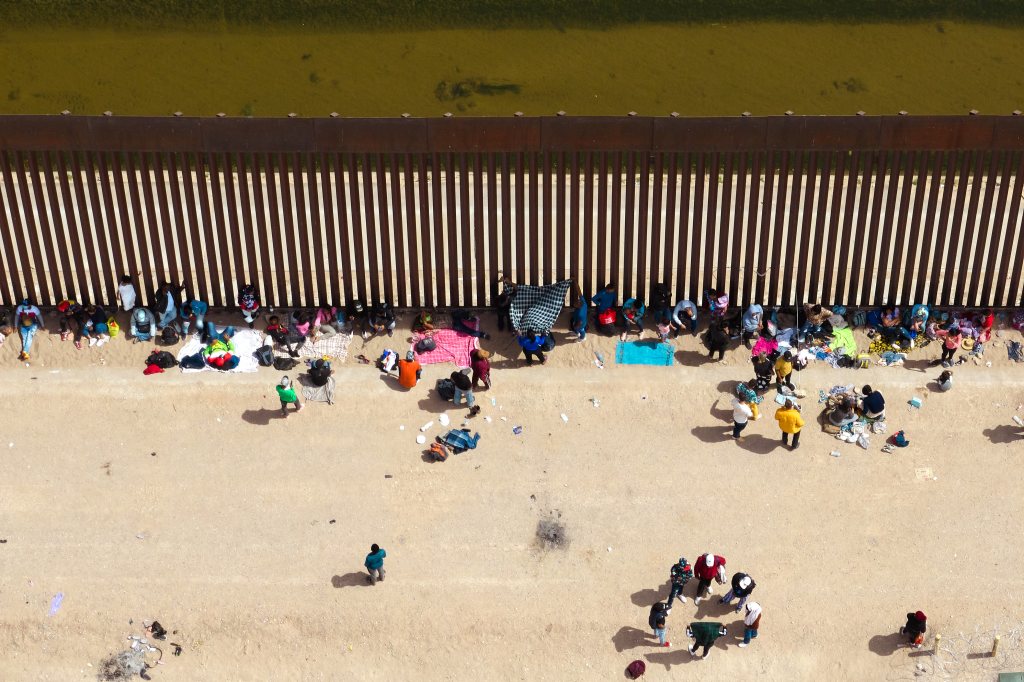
(452, 346)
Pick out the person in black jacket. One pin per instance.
(464, 388)
(742, 586)
(679, 575)
(915, 629)
(656, 619)
(319, 372)
(718, 340)
(503, 302)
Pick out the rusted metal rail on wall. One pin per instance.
(427, 212)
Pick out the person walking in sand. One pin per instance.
(741, 413)
(790, 422)
(742, 586)
(679, 575)
(481, 365)
(374, 564)
(286, 392)
(704, 634)
(751, 622)
(707, 569)
(657, 619)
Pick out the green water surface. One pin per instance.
(653, 69)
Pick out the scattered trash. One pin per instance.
(835, 453)
(609, 549)
(56, 602)
(3, 541)
(504, 419)
(915, 402)
(599, 360)
(426, 426)
(494, 401)
(988, 364)
(517, 430)
(864, 441)
(1018, 421)
(596, 402)
(487, 419)
(564, 417)
(925, 474)
(421, 439)
(442, 419)
(385, 476)
(401, 427)
(643, 397)
(332, 521)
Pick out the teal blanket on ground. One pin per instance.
(644, 353)
(842, 342)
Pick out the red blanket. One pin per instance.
(452, 346)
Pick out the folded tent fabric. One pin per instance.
(538, 308)
(843, 342)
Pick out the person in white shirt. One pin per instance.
(684, 315)
(126, 293)
(741, 412)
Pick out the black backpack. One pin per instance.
(549, 343)
(162, 359)
(169, 336)
(285, 364)
(660, 297)
(446, 389)
(264, 356)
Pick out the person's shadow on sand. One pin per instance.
(885, 645)
(649, 597)
(350, 580)
(262, 416)
(1005, 433)
(629, 637)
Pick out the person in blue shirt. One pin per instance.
(193, 317)
(633, 317)
(532, 345)
(578, 323)
(751, 323)
(604, 299)
(375, 564)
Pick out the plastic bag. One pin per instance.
(113, 328)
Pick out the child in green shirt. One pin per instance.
(287, 395)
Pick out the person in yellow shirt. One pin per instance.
(784, 370)
(790, 422)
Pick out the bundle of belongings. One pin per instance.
(158, 361)
(455, 441)
(841, 416)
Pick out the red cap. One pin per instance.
(920, 616)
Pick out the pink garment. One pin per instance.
(452, 346)
(764, 345)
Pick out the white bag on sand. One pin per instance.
(863, 441)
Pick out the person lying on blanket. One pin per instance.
(466, 323)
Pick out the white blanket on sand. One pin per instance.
(246, 342)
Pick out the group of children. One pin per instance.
(709, 568)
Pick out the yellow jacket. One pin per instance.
(790, 421)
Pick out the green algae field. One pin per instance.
(697, 69)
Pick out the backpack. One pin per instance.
(439, 452)
(285, 364)
(660, 297)
(899, 439)
(425, 345)
(161, 359)
(636, 669)
(264, 355)
(195, 361)
(446, 389)
(607, 317)
(860, 318)
(169, 336)
(549, 344)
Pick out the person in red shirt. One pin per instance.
(707, 568)
(409, 371)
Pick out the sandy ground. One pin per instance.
(187, 499)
